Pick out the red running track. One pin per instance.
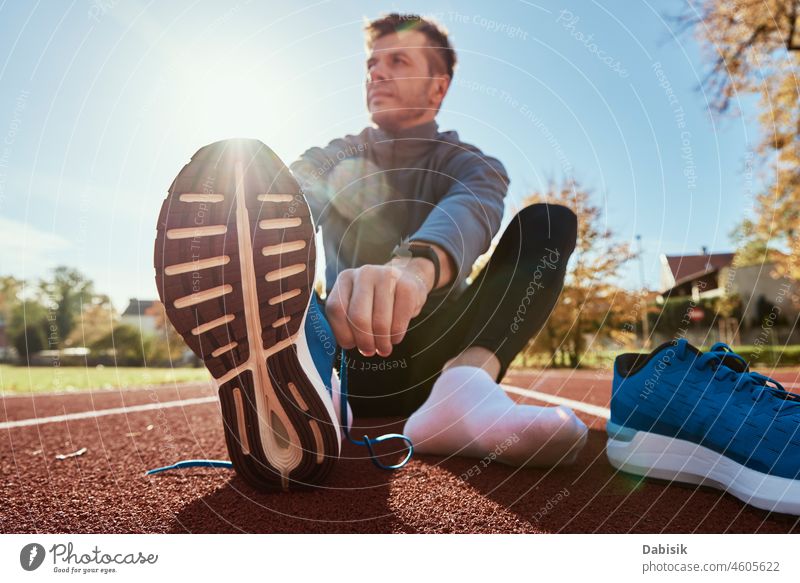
(105, 489)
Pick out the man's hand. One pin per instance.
(370, 307)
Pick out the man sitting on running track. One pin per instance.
(405, 210)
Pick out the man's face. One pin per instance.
(402, 90)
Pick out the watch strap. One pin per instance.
(412, 249)
(426, 251)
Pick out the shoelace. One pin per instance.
(367, 442)
(192, 464)
(760, 385)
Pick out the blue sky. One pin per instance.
(103, 101)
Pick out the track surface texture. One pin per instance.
(104, 490)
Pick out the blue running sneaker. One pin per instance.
(235, 263)
(705, 418)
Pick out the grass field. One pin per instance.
(43, 379)
(763, 357)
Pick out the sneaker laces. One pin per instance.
(367, 442)
(191, 464)
(726, 364)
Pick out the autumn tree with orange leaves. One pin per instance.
(753, 47)
(592, 310)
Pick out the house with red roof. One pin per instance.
(716, 275)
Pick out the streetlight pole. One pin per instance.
(645, 322)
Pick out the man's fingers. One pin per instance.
(337, 307)
(372, 306)
(359, 313)
(404, 309)
(382, 314)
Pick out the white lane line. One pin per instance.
(595, 410)
(106, 412)
(566, 374)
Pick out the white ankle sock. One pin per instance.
(469, 414)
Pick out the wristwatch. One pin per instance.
(409, 250)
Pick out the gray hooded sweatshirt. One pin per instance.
(371, 191)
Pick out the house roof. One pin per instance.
(138, 307)
(686, 267)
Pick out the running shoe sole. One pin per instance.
(657, 456)
(234, 260)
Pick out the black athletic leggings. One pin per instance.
(501, 310)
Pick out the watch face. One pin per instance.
(402, 251)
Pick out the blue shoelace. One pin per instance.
(760, 386)
(367, 441)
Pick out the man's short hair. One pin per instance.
(436, 34)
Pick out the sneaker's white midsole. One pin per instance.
(667, 458)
